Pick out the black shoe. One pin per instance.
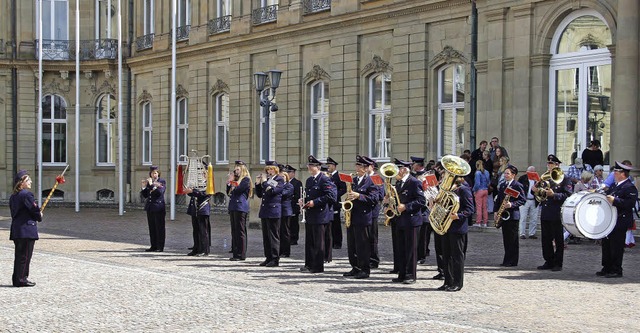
(151, 249)
(272, 263)
(409, 281)
(192, 253)
(264, 263)
(523, 237)
(327, 261)
(422, 261)
(230, 251)
(202, 254)
(373, 265)
(235, 259)
(159, 250)
(601, 273)
(556, 268)
(545, 266)
(393, 271)
(315, 271)
(337, 247)
(509, 265)
(361, 275)
(191, 248)
(440, 276)
(350, 273)
(533, 237)
(285, 255)
(397, 280)
(294, 243)
(25, 284)
(613, 275)
(453, 288)
(304, 269)
(443, 287)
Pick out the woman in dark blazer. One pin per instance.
(287, 213)
(269, 189)
(153, 193)
(25, 215)
(239, 189)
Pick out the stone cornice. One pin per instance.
(447, 56)
(145, 97)
(496, 15)
(316, 74)
(539, 60)
(522, 11)
(482, 66)
(219, 86)
(377, 65)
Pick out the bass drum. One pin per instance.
(589, 215)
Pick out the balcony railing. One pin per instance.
(144, 42)
(265, 15)
(315, 6)
(93, 49)
(182, 32)
(220, 24)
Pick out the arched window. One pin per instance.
(54, 130)
(580, 85)
(105, 130)
(182, 127)
(221, 111)
(379, 104)
(319, 113)
(451, 94)
(147, 133)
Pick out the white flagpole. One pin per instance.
(39, 130)
(172, 186)
(120, 134)
(77, 106)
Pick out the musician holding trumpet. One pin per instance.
(153, 193)
(269, 188)
(509, 198)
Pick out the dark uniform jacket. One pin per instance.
(625, 195)
(324, 194)
(25, 215)
(271, 194)
(551, 208)
(361, 214)
(154, 197)
(297, 194)
(341, 187)
(287, 195)
(411, 195)
(239, 196)
(199, 203)
(515, 202)
(466, 210)
(379, 196)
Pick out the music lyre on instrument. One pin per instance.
(59, 180)
(429, 188)
(199, 172)
(502, 214)
(347, 205)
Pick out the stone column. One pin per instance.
(624, 117)
(495, 76)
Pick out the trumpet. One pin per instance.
(556, 175)
(388, 171)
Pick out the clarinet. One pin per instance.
(304, 220)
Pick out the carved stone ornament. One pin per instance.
(316, 74)
(219, 86)
(145, 97)
(181, 92)
(590, 39)
(377, 65)
(64, 75)
(107, 73)
(106, 87)
(88, 74)
(54, 87)
(448, 55)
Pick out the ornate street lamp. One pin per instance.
(267, 95)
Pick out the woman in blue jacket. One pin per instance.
(25, 215)
(239, 190)
(153, 193)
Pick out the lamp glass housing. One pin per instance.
(275, 78)
(260, 79)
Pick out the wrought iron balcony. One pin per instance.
(265, 15)
(315, 6)
(144, 42)
(182, 32)
(220, 24)
(93, 49)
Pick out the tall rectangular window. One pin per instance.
(148, 17)
(184, 13)
(55, 19)
(54, 130)
(380, 117)
(451, 94)
(222, 128)
(183, 127)
(106, 19)
(147, 130)
(319, 107)
(106, 130)
(224, 8)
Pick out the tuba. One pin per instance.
(555, 175)
(198, 173)
(446, 201)
(388, 171)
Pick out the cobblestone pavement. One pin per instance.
(93, 275)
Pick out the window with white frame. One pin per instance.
(148, 17)
(106, 17)
(184, 13)
(55, 19)
(451, 94)
(223, 8)
(105, 130)
(319, 110)
(265, 3)
(147, 131)
(380, 116)
(221, 110)
(182, 127)
(267, 132)
(54, 130)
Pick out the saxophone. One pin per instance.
(388, 171)
(502, 214)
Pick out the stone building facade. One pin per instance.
(384, 78)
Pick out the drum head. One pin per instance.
(595, 217)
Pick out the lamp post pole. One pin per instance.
(267, 104)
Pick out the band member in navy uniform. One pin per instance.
(454, 241)
(320, 195)
(374, 259)
(622, 195)
(363, 196)
(25, 215)
(153, 192)
(334, 232)
(418, 171)
(551, 219)
(239, 189)
(199, 209)
(510, 226)
(287, 213)
(269, 188)
(297, 194)
(412, 202)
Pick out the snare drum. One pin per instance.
(589, 215)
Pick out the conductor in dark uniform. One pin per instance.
(363, 196)
(412, 202)
(551, 219)
(25, 215)
(297, 194)
(269, 187)
(622, 195)
(510, 226)
(320, 195)
(334, 235)
(199, 209)
(153, 193)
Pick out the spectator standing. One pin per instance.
(530, 210)
(481, 192)
(495, 144)
(592, 155)
(575, 170)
